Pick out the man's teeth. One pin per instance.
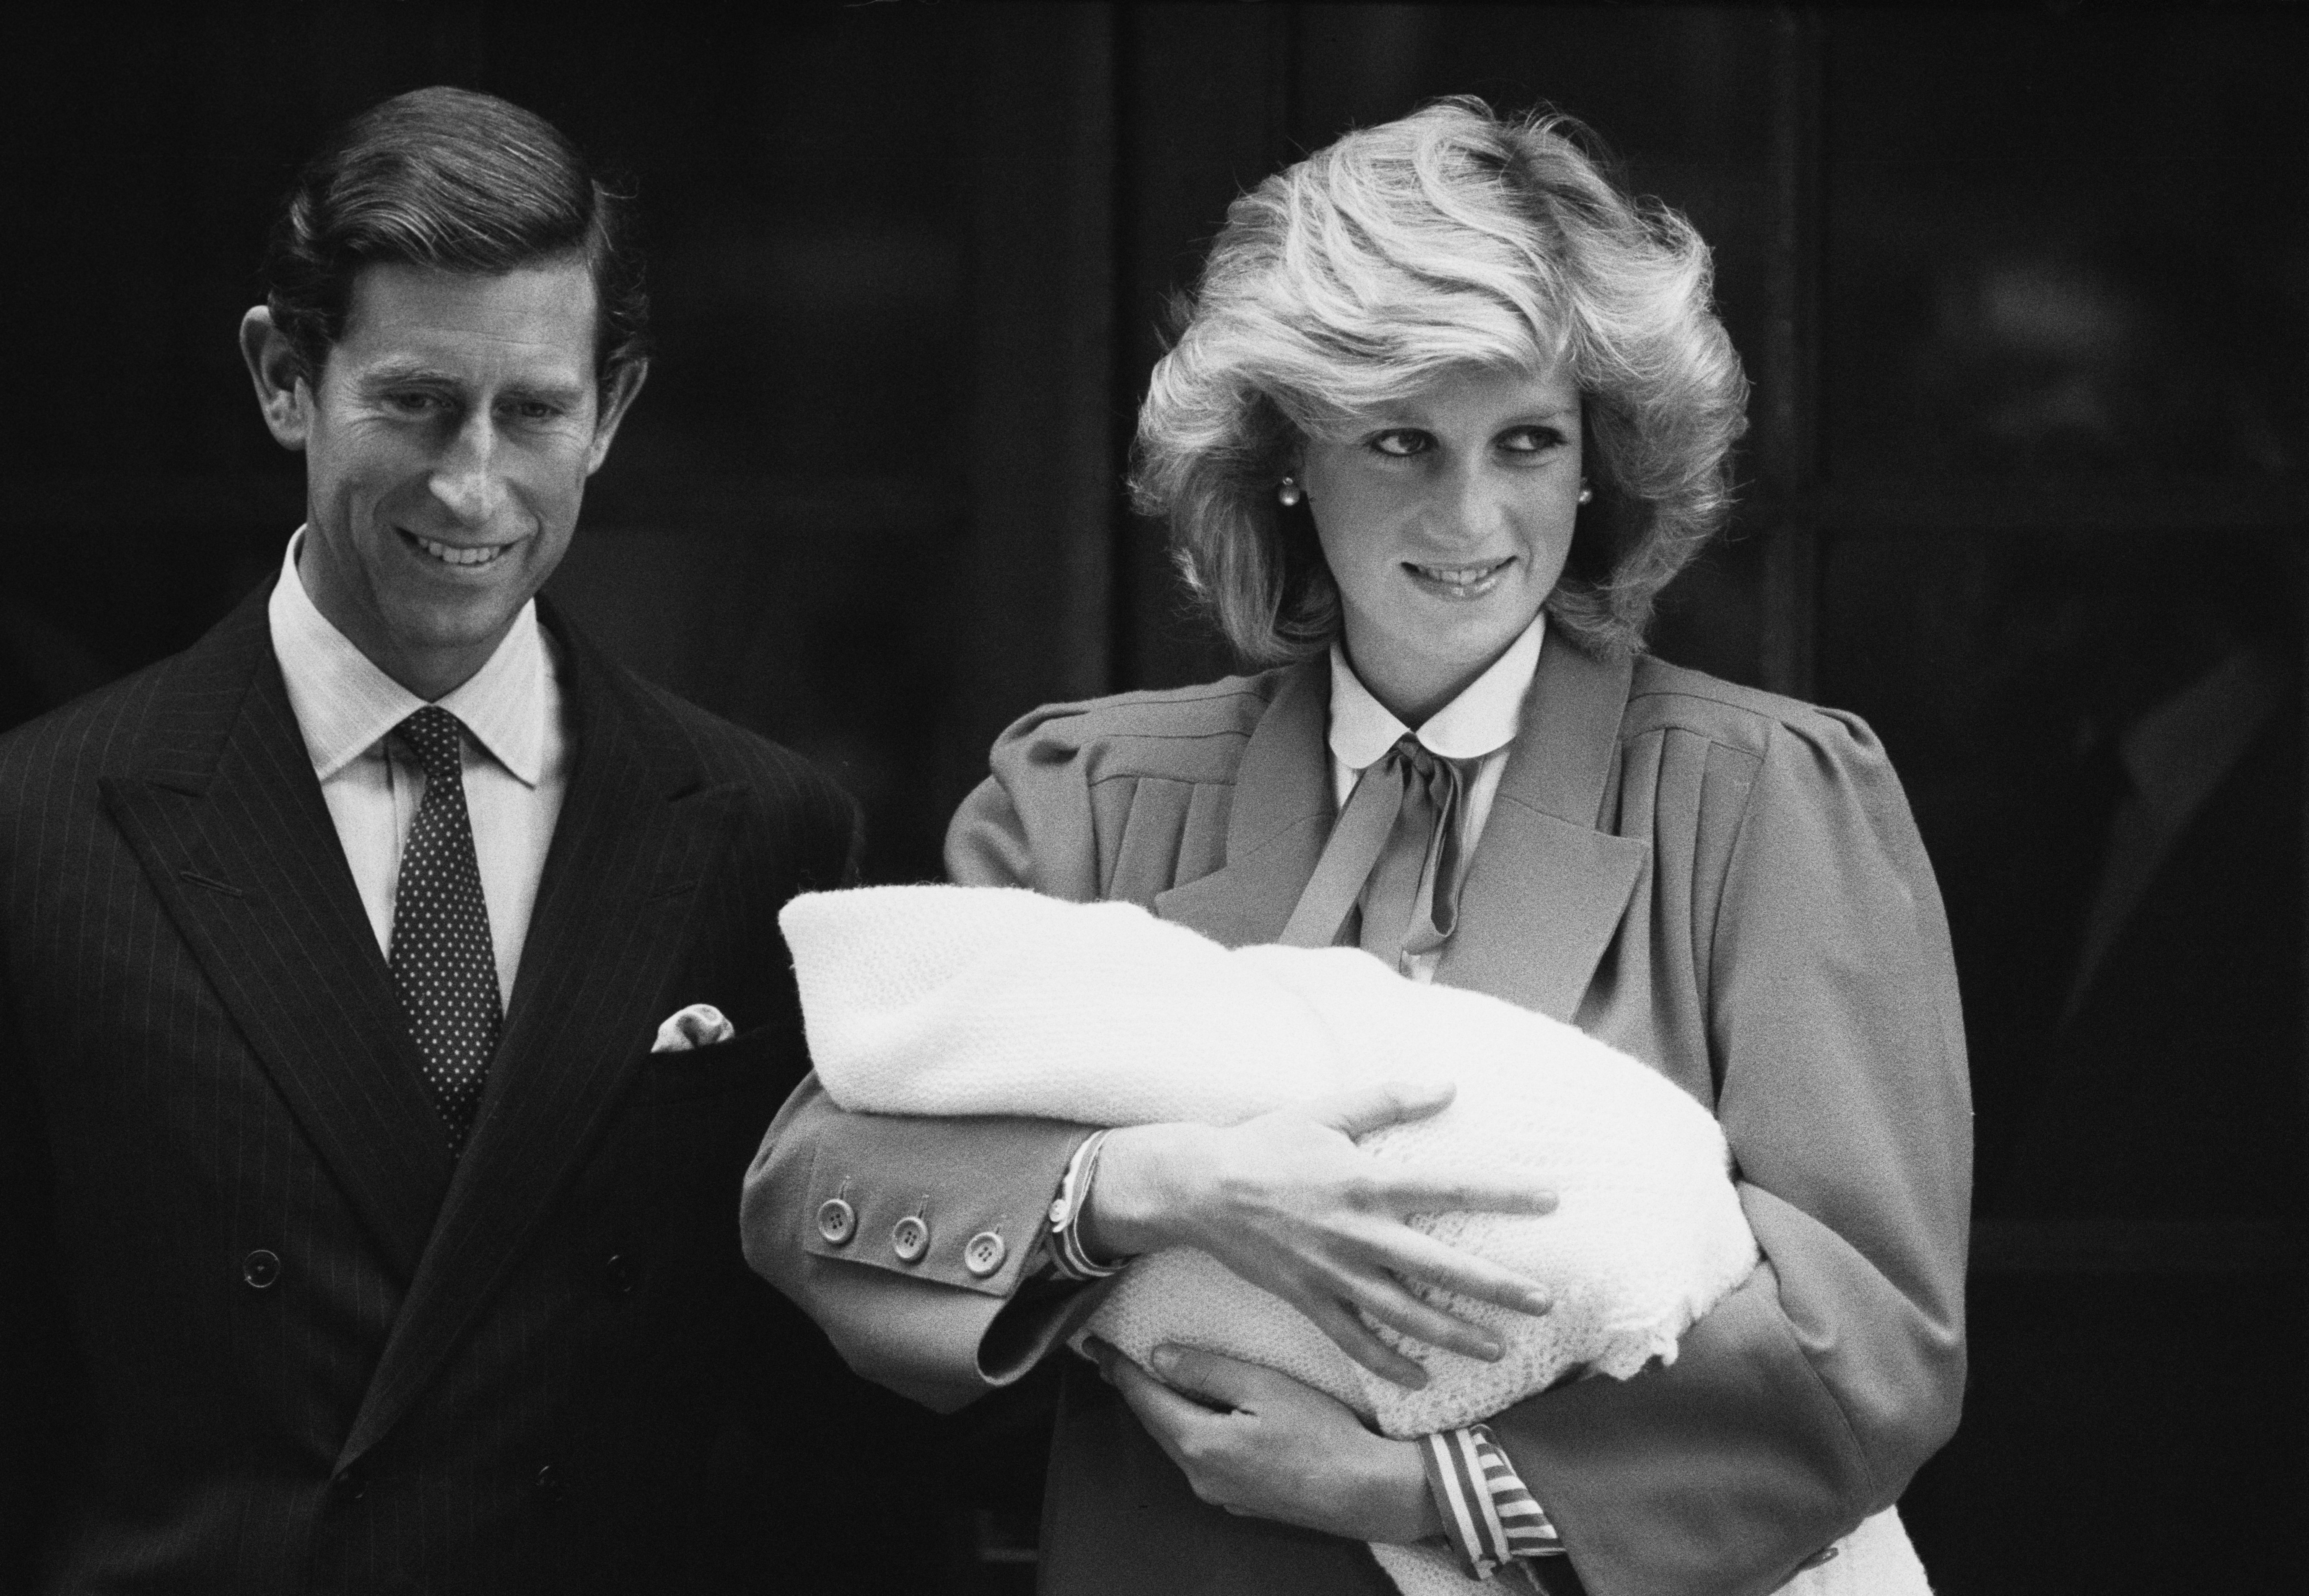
(458, 557)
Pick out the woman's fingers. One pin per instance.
(1400, 1311)
(1169, 1417)
(1410, 1189)
(1352, 1336)
(1417, 1255)
(1390, 1102)
(1212, 1378)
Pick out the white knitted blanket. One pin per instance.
(940, 1000)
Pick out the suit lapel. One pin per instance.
(1276, 829)
(636, 835)
(1546, 888)
(227, 819)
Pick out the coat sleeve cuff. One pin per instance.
(1490, 1519)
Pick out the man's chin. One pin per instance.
(430, 639)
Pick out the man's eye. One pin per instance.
(1402, 442)
(535, 409)
(414, 402)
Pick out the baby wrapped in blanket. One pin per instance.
(933, 1000)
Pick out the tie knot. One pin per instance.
(1416, 754)
(435, 736)
(1422, 766)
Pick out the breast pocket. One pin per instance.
(761, 1057)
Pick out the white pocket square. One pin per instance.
(700, 1025)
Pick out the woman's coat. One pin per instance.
(1725, 883)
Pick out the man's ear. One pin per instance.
(615, 403)
(283, 393)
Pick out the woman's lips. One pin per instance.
(1459, 581)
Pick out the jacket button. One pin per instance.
(618, 1275)
(1824, 1555)
(910, 1239)
(983, 1253)
(837, 1222)
(350, 1483)
(260, 1269)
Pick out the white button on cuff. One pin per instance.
(983, 1253)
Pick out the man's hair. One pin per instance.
(459, 182)
(1449, 240)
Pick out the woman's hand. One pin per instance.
(1290, 1204)
(1261, 1443)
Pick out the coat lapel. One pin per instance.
(637, 833)
(227, 819)
(1546, 888)
(1276, 829)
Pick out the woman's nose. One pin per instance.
(1466, 507)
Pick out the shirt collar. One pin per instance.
(1483, 719)
(345, 706)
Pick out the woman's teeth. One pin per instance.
(451, 554)
(1463, 580)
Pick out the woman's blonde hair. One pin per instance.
(1447, 239)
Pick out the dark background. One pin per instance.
(2025, 295)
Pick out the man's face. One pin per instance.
(447, 448)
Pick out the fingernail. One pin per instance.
(1164, 1359)
(1544, 1203)
(1491, 1351)
(1537, 1302)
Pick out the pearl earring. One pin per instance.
(1586, 492)
(1287, 493)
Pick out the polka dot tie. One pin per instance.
(442, 959)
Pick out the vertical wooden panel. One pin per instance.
(1035, 575)
(1201, 88)
(1785, 414)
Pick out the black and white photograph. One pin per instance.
(1155, 800)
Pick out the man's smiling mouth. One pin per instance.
(451, 554)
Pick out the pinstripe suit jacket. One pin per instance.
(261, 1332)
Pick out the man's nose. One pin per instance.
(466, 478)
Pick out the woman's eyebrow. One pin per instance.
(1556, 413)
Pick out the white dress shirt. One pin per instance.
(1475, 728)
(517, 756)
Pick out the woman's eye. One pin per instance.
(1529, 440)
(1402, 442)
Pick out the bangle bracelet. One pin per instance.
(1072, 1258)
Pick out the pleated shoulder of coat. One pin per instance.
(1112, 798)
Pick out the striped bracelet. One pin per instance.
(1069, 1256)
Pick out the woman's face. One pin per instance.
(1446, 520)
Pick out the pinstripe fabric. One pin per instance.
(543, 1368)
